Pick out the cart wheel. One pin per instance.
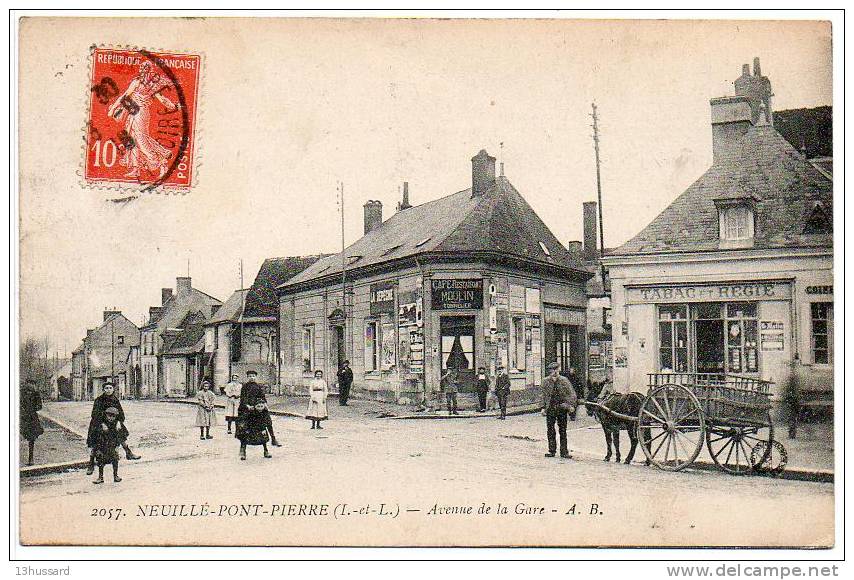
(775, 461)
(671, 427)
(731, 446)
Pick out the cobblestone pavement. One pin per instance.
(416, 465)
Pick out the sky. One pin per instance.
(288, 108)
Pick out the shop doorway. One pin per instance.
(457, 344)
(565, 345)
(337, 348)
(711, 357)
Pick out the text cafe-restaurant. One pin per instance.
(439, 286)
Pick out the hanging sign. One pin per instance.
(458, 294)
(382, 298)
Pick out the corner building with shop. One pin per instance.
(468, 280)
(736, 275)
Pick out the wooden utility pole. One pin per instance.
(599, 192)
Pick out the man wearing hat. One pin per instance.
(31, 425)
(251, 393)
(345, 381)
(558, 399)
(100, 405)
(502, 390)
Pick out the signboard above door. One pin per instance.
(457, 294)
(725, 292)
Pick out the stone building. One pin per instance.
(736, 275)
(467, 280)
(103, 355)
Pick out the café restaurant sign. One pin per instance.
(458, 294)
(708, 292)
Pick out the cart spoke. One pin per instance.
(731, 447)
(659, 419)
(660, 444)
(721, 450)
(656, 437)
(675, 448)
(667, 403)
(693, 412)
(667, 449)
(660, 410)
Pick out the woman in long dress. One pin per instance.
(232, 401)
(205, 414)
(135, 105)
(31, 426)
(318, 391)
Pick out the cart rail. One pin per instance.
(723, 398)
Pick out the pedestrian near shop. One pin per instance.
(559, 399)
(345, 381)
(482, 386)
(251, 391)
(105, 442)
(502, 390)
(31, 425)
(577, 386)
(100, 405)
(205, 411)
(450, 384)
(232, 400)
(318, 391)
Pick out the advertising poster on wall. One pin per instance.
(387, 354)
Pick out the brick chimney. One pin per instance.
(373, 214)
(404, 203)
(574, 248)
(591, 236)
(733, 116)
(165, 295)
(482, 173)
(183, 284)
(154, 313)
(109, 313)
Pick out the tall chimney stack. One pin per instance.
(109, 312)
(482, 173)
(373, 215)
(590, 250)
(165, 295)
(183, 284)
(404, 203)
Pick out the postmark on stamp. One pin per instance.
(140, 131)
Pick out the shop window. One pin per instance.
(517, 346)
(372, 351)
(821, 314)
(120, 340)
(673, 338)
(742, 337)
(308, 349)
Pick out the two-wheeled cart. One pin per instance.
(730, 414)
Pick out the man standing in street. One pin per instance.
(345, 381)
(450, 386)
(502, 390)
(577, 386)
(559, 398)
(250, 393)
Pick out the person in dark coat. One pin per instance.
(251, 394)
(559, 398)
(31, 425)
(482, 386)
(345, 381)
(450, 384)
(502, 390)
(252, 426)
(105, 440)
(577, 386)
(100, 405)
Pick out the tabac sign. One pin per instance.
(709, 292)
(459, 294)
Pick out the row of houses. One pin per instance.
(735, 276)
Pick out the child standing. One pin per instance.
(205, 414)
(107, 438)
(318, 391)
(252, 427)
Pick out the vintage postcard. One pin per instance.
(381, 282)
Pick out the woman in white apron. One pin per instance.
(318, 391)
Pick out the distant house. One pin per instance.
(183, 357)
(166, 322)
(103, 356)
(735, 276)
(60, 382)
(243, 334)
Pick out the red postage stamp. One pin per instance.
(142, 118)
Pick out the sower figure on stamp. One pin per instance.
(232, 400)
(135, 104)
(345, 381)
(100, 405)
(105, 441)
(31, 425)
(502, 390)
(558, 399)
(205, 413)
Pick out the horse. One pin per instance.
(628, 404)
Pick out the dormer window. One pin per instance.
(736, 217)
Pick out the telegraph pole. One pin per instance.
(599, 192)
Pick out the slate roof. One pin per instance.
(761, 164)
(499, 222)
(810, 131)
(191, 339)
(175, 309)
(261, 300)
(231, 310)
